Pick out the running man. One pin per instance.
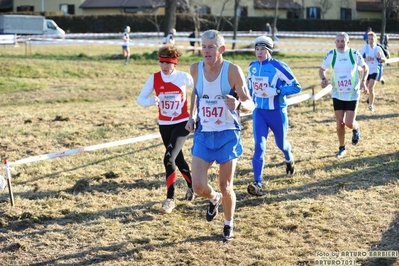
(219, 95)
(269, 81)
(346, 84)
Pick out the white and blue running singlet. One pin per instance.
(345, 75)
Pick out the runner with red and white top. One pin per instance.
(170, 88)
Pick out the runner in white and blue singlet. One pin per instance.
(374, 56)
(220, 93)
(346, 84)
(126, 44)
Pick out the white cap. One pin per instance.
(127, 28)
(264, 41)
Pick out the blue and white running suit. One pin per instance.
(269, 82)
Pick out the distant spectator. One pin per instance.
(366, 35)
(192, 42)
(385, 42)
(170, 38)
(268, 29)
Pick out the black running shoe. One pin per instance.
(290, 169)
(227, 233)
(212, 210)
(255, 189)
(355, 136)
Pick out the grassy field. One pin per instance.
(101, 207)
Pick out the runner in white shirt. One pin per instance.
(126, 44)
(346, 84)
(374, 56)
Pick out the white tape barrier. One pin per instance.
(290, 101)
(2, 183)
(9, 39)
(84, 149)
(391, 60)
(247, 34)
(156, 43)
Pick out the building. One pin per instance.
(309, 9)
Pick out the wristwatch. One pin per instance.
(240, 107)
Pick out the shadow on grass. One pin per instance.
(383, 169)
(115, 250)
(388, 242)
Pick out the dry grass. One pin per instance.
(101, 207)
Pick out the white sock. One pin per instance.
(229, 223)
(216, 198)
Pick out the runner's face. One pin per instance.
(340, 42)
(167, 68)
(261, 53)
(371, 40)
(210, 51)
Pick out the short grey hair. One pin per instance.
(343, 34)
(213, 34)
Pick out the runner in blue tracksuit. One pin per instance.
(269, 82)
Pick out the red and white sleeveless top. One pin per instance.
(172, 94)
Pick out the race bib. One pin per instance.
(344, 83)
(261, 87)
(212, 112)
(170, 104)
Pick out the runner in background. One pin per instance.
(374, 57)
(125, 45)
(346, 84)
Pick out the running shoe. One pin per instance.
(190, 194)
(371, 107)
(212, 210)
(341, 153)
(290, 169)
(227, 233)
(255, 189)
(167, 206)
(355, 136)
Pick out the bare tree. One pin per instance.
(154, 20)
(219, 19)
(236, 20)
(383, 19)
(324, 5)
(170, 15)
(274, 28)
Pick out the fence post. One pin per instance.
(8, 176)
(314, 102)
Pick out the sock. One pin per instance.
(216, 198)
(229, 223)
